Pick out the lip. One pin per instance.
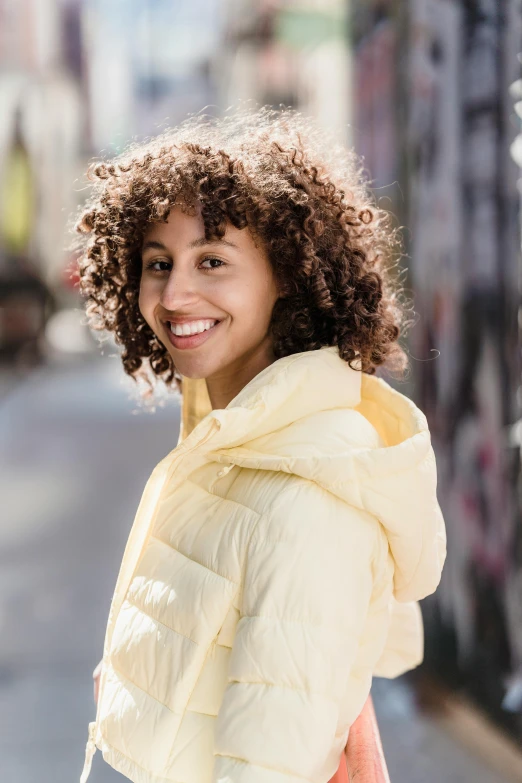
(190, 340)
(183, 319)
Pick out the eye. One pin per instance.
(154, 265)
(212, 263)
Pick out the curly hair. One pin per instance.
(332, 249)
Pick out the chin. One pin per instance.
(195, 370)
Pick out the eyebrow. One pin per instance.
(200, 242)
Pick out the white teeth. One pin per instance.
(192, 327)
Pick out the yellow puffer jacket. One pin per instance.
(272, 568)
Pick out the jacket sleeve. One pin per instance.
(307, 589)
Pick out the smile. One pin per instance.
(191, 327)
(190, 334)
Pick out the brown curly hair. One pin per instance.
(331, 247)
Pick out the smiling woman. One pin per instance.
(279, 550)
(216, 296)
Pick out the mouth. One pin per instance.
(190, 334)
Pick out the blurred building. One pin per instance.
(85, 77)
(434, 119)
(158, 56)
(41, 139)
(289, 52)
(81, 79)
(41, 107)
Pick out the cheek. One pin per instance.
(265, 294)
(250, 303)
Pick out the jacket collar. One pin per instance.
(290, 388)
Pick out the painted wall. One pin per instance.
(435, 116)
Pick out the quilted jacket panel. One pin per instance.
(274, 566)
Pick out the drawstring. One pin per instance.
(90, 750)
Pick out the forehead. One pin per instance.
(178, 220)
(184, 229)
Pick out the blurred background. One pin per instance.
(430, 93)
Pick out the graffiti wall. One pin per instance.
(453, 124)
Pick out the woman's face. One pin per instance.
(209, 302)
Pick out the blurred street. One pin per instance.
(74, 462)
(75, 455)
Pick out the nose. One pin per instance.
(179, 290)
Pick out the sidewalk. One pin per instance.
(449, 741)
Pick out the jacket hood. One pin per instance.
(312, 415)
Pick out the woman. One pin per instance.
(279, 550)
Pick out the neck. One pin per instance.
(227, 383)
